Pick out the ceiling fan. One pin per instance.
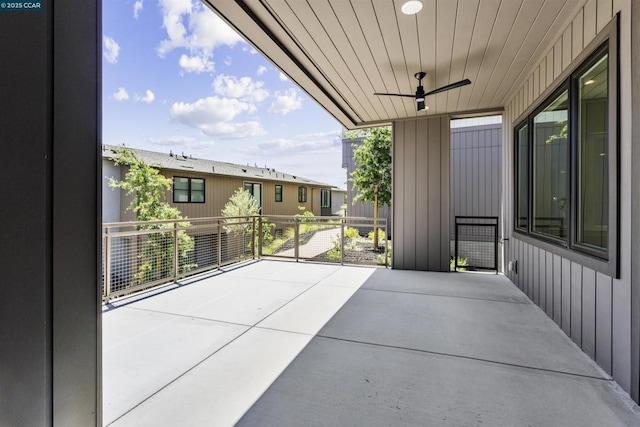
(421, 94)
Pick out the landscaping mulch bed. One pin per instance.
(361, 252)
(290, 244)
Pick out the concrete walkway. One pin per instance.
(320, 243)
(406, 349)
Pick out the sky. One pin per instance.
(176, 78)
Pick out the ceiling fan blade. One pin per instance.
(395, 94)
(449, 87)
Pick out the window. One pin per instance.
(302, 194)
(592, 210)
(325, 198)
(522, 180)
(188, 190)
(278, 193)
(255, 189)
(565, 152)
(550, 167)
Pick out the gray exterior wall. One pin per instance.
(421, 215)
(598, 311)
(476, 173)
(49, 252)
(475, 177)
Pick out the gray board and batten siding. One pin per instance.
(592, 304)
(475, 174)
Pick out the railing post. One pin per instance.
(107, 266)
(455, 250)
(386, 244)
(260, 237)
(253, 238)
(342, 241)
(175, 251)
(219, 244)
(296, 239)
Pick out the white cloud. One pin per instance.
(172, 140)
(137, 7)
(261, 70)
(193, 27)
(241, 88)
(285, 102)
(310, 143)
(283, 77)
(148, 97)
(121, 94)
(213, 116)
(196, 64)
(227, 61)
(110, 49)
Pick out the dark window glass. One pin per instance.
(278, 193)
(522, 178)
(302, 194)
(255, 190)
(180, 190)
(550, 169)
(197, 190)
(325, 198)
(592, 210)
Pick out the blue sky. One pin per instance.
(176, 77)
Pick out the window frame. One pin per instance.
(302, 194)
(326, 191)
(189, 189)
(606, 43)
(252, 183)
(278, 193)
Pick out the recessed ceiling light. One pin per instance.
(412, 7)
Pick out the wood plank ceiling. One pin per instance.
(341, 52)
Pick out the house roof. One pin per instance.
(178, 162)
(342, 51)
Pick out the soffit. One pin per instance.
(340, 52)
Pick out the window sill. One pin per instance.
(600, 265)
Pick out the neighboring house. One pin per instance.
(338, 202)
(202, 187)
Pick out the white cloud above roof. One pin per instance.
(148, 97)
(137, 8)
(193, 27)
(110, 49)
(285, 102)
(214, 115)
(261, 70)
(121, 94)
(196, 64)
(244, 88)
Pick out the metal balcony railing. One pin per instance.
(141, 255)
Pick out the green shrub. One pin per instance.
(461, 262)
(351, 233)
(334, 253)
(380, 259)
(382, 236)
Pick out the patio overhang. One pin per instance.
(341, 52)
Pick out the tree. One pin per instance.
(148, 187)
(372, 178)
(238, 209)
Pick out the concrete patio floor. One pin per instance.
(278, 343)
